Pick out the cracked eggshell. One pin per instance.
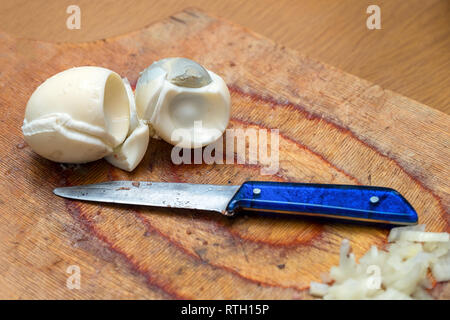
(78, 115)
(129, 154)
(175, 94)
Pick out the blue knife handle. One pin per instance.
(348, 202)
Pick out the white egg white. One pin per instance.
(130, 153)
(186, 104)
(78, 115)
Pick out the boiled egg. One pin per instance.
(78, 115)
(186, 104)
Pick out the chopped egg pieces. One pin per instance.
(401, 272)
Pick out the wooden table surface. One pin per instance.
(410, 55)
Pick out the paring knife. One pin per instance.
(346, 202)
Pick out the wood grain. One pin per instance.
(335, 128)
(410, 55)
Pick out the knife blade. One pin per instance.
(346, 202)
(156, 194)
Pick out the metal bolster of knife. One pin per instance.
(349, 202)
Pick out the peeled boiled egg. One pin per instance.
(78, 115)
(186, 104)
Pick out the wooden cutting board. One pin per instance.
(335, 128)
